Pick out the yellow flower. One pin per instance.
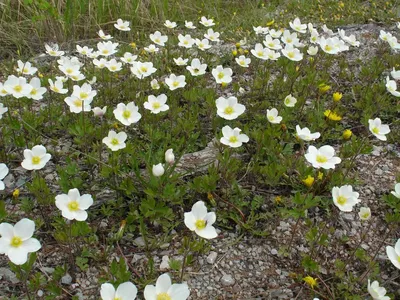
(16, 193)
(308, 181)
(278, 199)
(337, 96)
(241, 51)
(133, 45)
(115, 125)
(234, 52)
(270, 23)
(323, 88)
(246, 51)
(347, 134)
(237, 45)
(341, 4)
(312, 282)
(40, 75)
(320, 175)
(331, 115)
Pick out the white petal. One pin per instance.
(126, 291)
(163, 283)
(24, 229)
(107, 291)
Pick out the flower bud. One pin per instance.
(323, 88)
(347, 134)
(158, 170)
(99, 112)
(169, 156)
(309, 181)
(16, 193)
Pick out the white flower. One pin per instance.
(393, 43)
(16, 241)
(396, 191)
(211, 35)
(122, 25)
(232, 137)
(272, 116)
(26, 68)
(169, 156)
(222, 75)
(290, 101)
(100, 63)
(154, 84)
(364, 213)
(36, 158)
(53, 50)
(297, 26)
(290, 39)
(3, 92)
(323, 157)
(180, 61)
(175, 82)
(77, 105)
(3, 173)
(3, 110)
(156, 104)
(189, 25)
(127, 114)
(115, 141)
(292, 53)
(312, 50)
(57, 87)
(125, 291)
(203, 44)
(165, 290)
(142, 70)
(99, 112)
(158, 170)
(276, 34)
(243, 61)
(107, 48)
(272, 43)
(314, 38)
(330, 45)
(378, 129)
(158, 38)
(394, 254)
(344, 197)
(128, 58)
(272, 55)
(260, 30)
(206, 22)
(391, 86)
(385, 36)
(229, 108)
(73, 206)
(395, 74)
(170, 24)
(104, 36)
(348, 39)
(37, 91)
(151, 49)
(17, 86)
(306, 135)
(84, 92)
(84, 50)
(185, 41)
(201, 221)
(260, 52)
(196, 68)
(114, 66)
(377, 292)
(327, 30)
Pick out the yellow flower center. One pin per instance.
(200, 224)
(52, 52)
(18, 88)
(35, 160)
(260, 53)
(105, 51)
(365, 215)
(69, 71)
(34, 91)
(73, 205)
(289, 41)
(56, 89)
(233, 139)
(221, 75)
(83, 95)
(78, 103)
(271, 44)
(341, 200)
(113, 68)
(114, 142)
(328, 48)
(163, 296)
(3, 91)
(229, 110)
(185, 42)
(290, 54)
(242, 62)
(117, 298)
(126, 114)
(157, 40)
(201, 45)
(74, 77)
(156, 105)
(398, 259)
(271, 118)
(375, 130)
(321, 159)
(143, 69)
(25, 70)
(16, 241)
(175, 83)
